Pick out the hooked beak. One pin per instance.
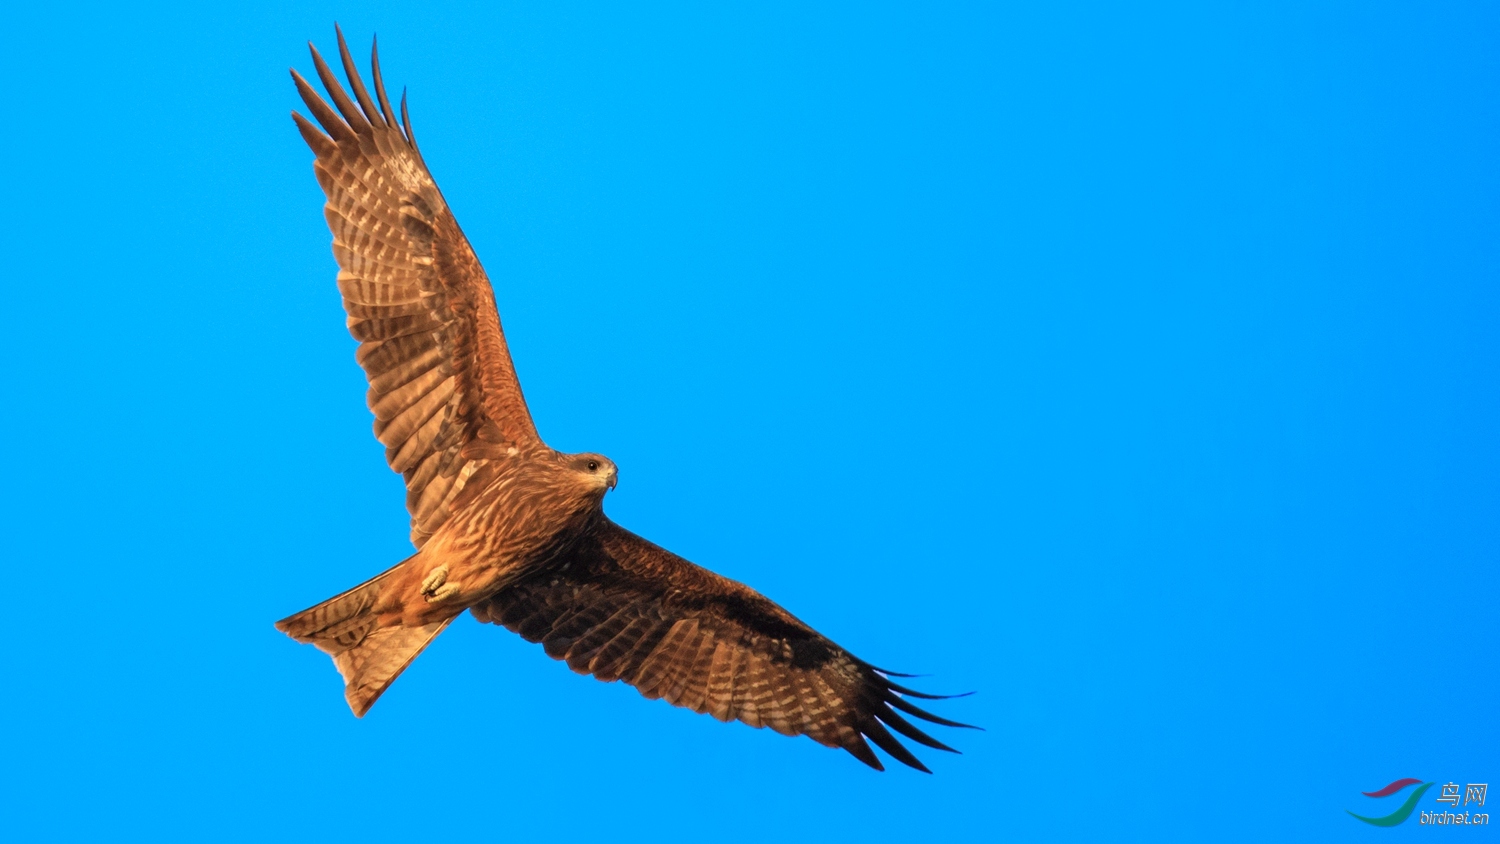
(614, 479)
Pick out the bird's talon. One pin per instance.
(442, 593)
(434, 581)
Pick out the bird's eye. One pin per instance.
(593, 465)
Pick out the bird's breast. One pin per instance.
(520, 520)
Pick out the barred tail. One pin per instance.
(368, 656)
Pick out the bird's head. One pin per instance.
(595, 470)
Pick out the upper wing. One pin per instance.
(418, 301)
(621, 608)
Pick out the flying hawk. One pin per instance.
(508, 528)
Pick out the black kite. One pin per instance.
(505, 526)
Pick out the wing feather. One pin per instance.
(618, 607)
(418, 301)
(695, 684)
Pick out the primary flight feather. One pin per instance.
(506, 527)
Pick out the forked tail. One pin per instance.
(368, 656)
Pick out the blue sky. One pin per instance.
(1132, 367)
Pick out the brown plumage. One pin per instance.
(508, 528)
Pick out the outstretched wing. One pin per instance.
(440, 374)
(621, 608)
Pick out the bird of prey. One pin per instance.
(508, 528)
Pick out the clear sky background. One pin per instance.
(1131, 365)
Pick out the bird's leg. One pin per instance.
(436, 587)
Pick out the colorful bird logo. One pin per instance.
(1402, 813)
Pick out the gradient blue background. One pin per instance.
(1134, 367)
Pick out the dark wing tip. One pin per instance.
(884, 701)
(912, 709)
(860, 749)
(876, 732)
(406, 121)
(385, 103)
(325, 115)
(346, 106)
(889, 673)
(346, 119)
(356, 84)
(906, 728)
(322, 145)
(923, 695)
